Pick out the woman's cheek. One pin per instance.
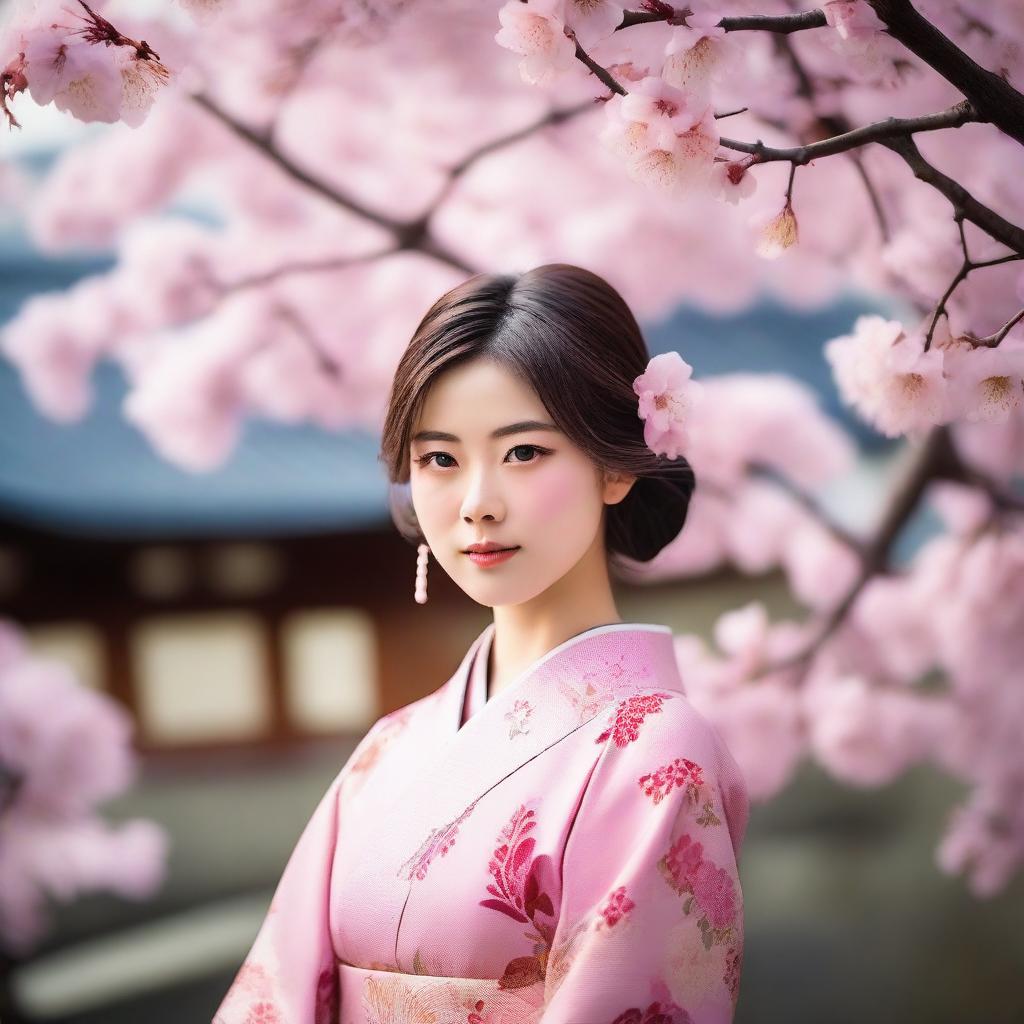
(553, 495)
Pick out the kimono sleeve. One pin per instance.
(650, 926)
(289, 975)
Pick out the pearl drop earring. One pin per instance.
(421, 573)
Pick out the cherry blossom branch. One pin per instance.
(959, 114)
(553, 117)
(873, 197)
(809, 502)
(409, 235)
(781, 23)
(895, 133)
(835, 125)
(962, 201)
(300, 267)
(992, 96)
(293, 170)
(936, 458)
(993, 340)
(965, 269)
(600, 72)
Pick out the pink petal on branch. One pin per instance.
(984, 841)
(658, 104)
(761, 519)
(77, 77)
(732, 181)
(888, 377)
(852, 18)
(536, 30)
(986, 383)
(71, 745)
(54, 358)
(760, 722)
(696, 54)
(819, 566)
(593, 20)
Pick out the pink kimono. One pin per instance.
(568, 855)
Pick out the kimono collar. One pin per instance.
(598, 665)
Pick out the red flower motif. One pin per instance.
(715, 893)
(617, 907)
(263, 1013)
(674, 775)
(682, 860)
(656, 1013)
(629, 716)
(522, 883)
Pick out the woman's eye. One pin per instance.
(525, 447)
(438, 457)
(424, 460)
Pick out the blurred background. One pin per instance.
(254, 620)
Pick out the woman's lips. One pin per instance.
(486, 558)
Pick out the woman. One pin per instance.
(553, 834)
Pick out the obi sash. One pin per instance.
(389, 997)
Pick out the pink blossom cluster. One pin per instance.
(66, 53)
(900, 387)
(63, 749)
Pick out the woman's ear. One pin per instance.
(616, 487)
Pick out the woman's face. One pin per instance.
(528, 487)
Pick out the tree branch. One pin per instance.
(994, 340)
(957, 115)
(292, 169)
(409, 235)
(553, 117)
(781, 23)
(810, 503)
(993, 97)
(602, 73)
(963, 202)
(300, 267)
(937, 457)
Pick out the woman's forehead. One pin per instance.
(480, 396)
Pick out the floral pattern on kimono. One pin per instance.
(651, 926)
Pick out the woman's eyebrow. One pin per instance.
(512, 428)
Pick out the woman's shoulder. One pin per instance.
(657, 732)
(655, 718)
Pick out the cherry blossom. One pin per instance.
(593, 20)
(667, 396)
(731, 181)
(886, 376)
(695, 53)
(63, 749)
(536, 30)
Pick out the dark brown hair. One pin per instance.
(569, 334)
